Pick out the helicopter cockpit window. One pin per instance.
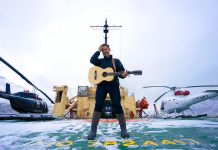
(82, 91)
(162, 106)
(58, 97)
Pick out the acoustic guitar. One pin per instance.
(97, 74)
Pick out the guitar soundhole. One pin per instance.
(104, 74)
(95, 75)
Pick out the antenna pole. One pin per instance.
(106, 29)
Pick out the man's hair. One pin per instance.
(105, 45)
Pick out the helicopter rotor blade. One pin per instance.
(174, 87)
(197, 86)
(157, 86)
(23, 77)
(162, 95)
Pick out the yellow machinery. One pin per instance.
(82, 105)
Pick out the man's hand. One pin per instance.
(125, 74)
(100, 48)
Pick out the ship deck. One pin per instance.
(145, 133)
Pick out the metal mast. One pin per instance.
(106, 29)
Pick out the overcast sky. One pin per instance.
(174, 42)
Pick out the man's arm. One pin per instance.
(94, 59)
(120, 68)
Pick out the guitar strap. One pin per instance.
(114, 66)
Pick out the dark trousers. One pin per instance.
(114, 92)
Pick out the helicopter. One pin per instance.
(182, 100)
(24, 102)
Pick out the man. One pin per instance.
(105, 87)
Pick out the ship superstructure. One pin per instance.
(82, 105)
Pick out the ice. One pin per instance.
(47, 134)
(182, 123)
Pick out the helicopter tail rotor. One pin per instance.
(8, 89)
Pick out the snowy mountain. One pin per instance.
(5, 107)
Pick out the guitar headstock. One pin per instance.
(137, 72)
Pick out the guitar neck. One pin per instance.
(118, 73)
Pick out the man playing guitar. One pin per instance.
(111, 87)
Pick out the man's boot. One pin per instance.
(95, 119)
(122, 122)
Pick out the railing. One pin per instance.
(71, 106)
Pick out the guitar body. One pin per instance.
(96, 74)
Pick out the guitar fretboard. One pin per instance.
(117, 73)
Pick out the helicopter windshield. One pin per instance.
(162, 106)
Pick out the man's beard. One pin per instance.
(106, 54)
